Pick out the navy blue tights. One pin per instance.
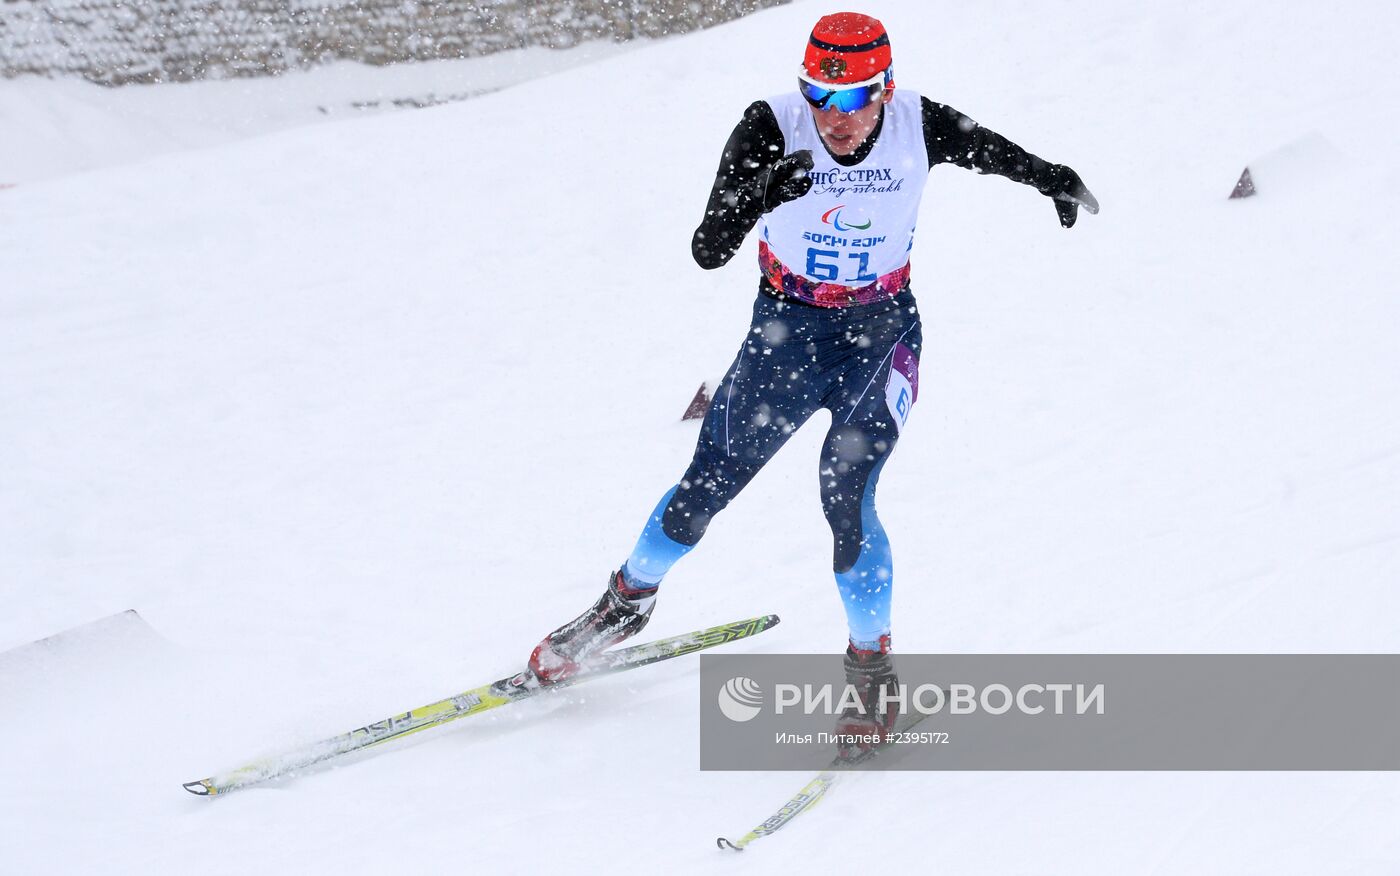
(861, 364)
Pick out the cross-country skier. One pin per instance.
(832, 173)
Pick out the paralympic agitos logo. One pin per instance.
(832, 217)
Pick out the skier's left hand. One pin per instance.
(1070, 194)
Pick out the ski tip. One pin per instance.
(723, 843)
(764, 622)
(201, 788)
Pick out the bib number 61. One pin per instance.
(824, 264)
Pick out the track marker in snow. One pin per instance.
(1244, 188)
(698, 405)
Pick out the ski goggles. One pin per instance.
(847, 98)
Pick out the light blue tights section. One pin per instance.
(656, 552)
(866, 588)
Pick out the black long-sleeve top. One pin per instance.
(736, 199)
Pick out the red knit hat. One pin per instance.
(847, 47)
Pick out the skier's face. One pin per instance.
(844, 132)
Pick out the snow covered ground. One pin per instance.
(64, 125)
(353, 412)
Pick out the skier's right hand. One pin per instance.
(787, 179)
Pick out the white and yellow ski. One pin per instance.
(811, 793)
(473, 702)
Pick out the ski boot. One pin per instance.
(619, 614)
(869, 672)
